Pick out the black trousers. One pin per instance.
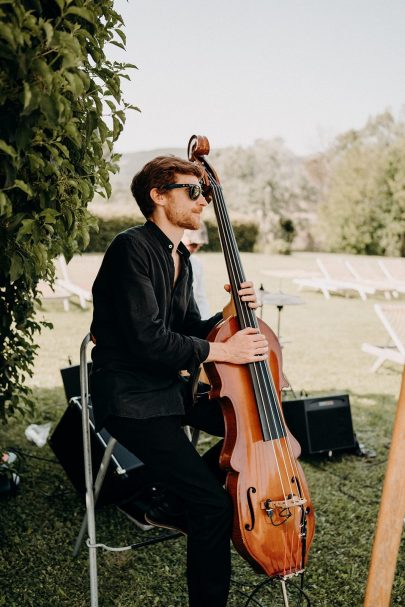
(162, 445)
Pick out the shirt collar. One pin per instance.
(166, 243)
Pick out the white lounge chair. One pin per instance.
(366, 270)
(336, 278)
(47, 293)
(392, 317)
(63, 281)
(394, 270)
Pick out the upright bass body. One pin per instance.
(273, 514)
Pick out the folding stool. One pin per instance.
(93, 490)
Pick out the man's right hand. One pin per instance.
(245, 346)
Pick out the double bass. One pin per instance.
(273, 515)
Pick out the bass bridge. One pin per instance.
(279, 511)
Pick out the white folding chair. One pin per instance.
(63, 281)
(93, 489)
(392, 317)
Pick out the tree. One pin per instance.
(56, 151)
(364, 208)
(270, 183)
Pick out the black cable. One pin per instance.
(301, 591)
(271, 582)
(345, 478)
(250, 596)
(26, 454)
(40, 491)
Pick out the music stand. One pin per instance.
(278, 299)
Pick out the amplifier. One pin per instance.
(71, 380)
(321, 423)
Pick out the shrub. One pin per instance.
(107, 229)
(56, 85)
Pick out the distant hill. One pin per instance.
(121, 201)
(132, 162)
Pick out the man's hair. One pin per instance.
(157, 173)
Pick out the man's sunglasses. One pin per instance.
(194, 189)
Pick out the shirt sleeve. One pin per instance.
(139, 318)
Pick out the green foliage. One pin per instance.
(364, 208)
(284, 234)
(268, 182)
(61, 111)
(108, 229)
(246, 234)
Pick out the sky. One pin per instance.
(241, 70)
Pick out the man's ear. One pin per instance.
(158, 198)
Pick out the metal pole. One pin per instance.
(97, 488)
(88, 472)
(284, 591)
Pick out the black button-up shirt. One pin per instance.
(146, 328)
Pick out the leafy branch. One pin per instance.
(56, 151)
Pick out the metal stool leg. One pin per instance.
(88, 473)
(102, 471)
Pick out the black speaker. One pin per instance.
(126, 474)
(71, 380)
(321, 423)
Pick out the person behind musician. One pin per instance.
(147, 329)
(194, 240)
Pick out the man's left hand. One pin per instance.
(246, 293)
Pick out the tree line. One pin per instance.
(348, 198)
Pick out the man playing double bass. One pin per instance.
(147, 329)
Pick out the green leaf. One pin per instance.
(117, 128)
(129, 106)
(50, 109)
(16, 268)
(73, 133)
(62, 148)
(8, 149)
(50, 215)
(26, 228)
(121, 35)
(17, 218)
(119, 44)
(18, 183)
(27, 95)
(92, 123)
(7, 34)
(75, 82)
(48, 29)
(80, 12)
(5, 205)
(43, 69)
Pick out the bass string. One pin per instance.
(247, 317)
(235, 271)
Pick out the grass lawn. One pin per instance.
(322, 355)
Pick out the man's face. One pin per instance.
(180, 209)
